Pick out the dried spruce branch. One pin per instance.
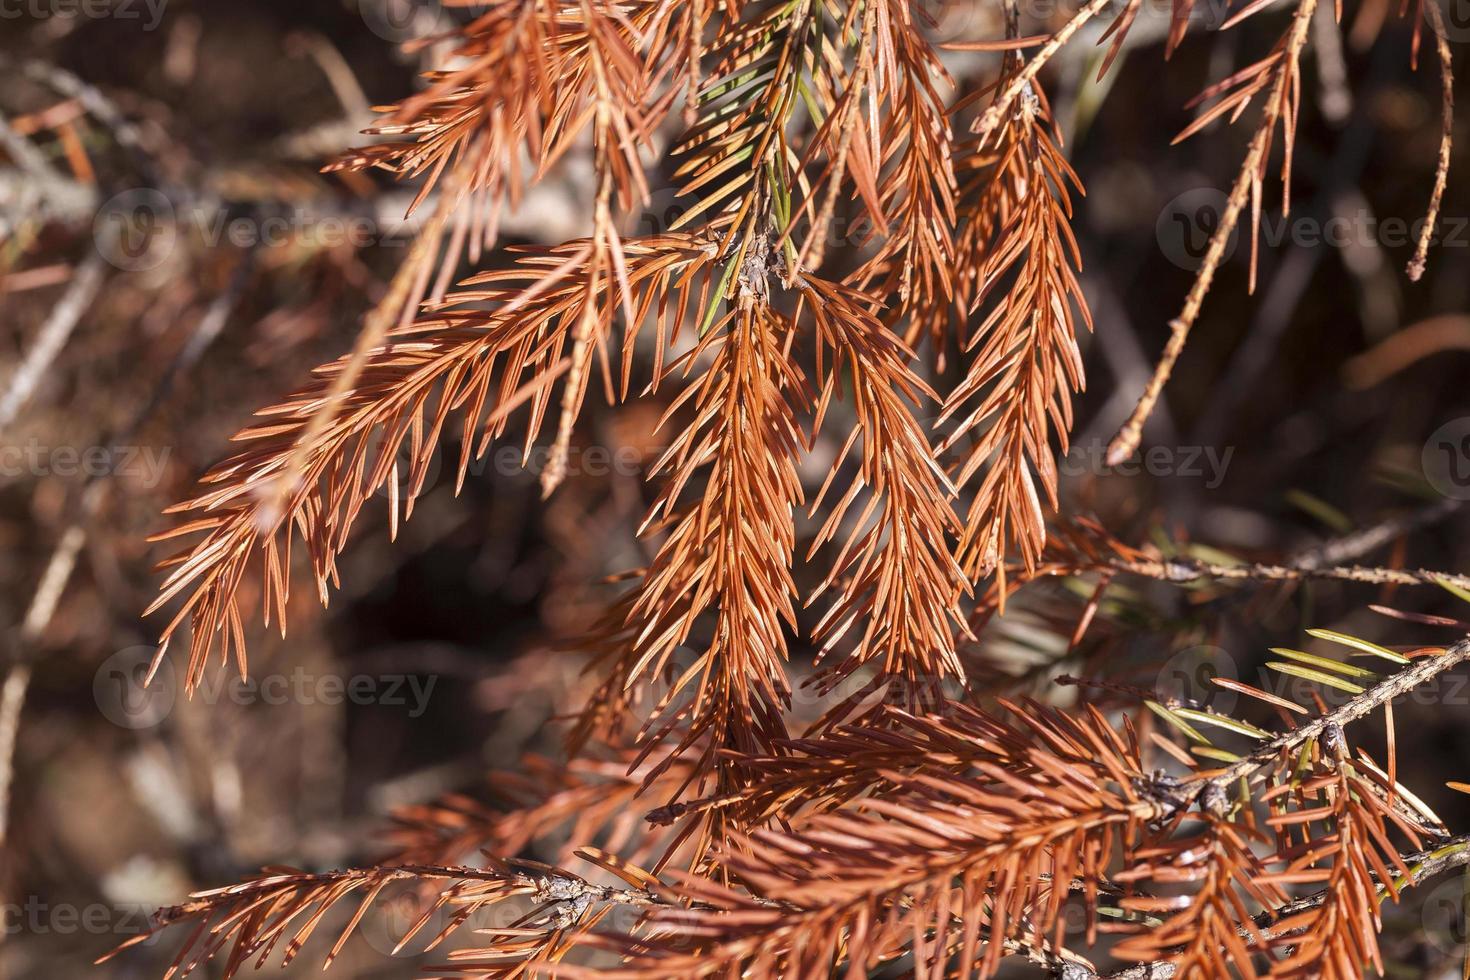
(1421, 672)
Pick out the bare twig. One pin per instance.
(1359, 543)
(1247, 188)
(53, 336)
(98, 105)
(1181, 570)
(1325, 561)
(1022, 80)
(63, 559)
(1446, 140)
(25, 155)
(38, 615)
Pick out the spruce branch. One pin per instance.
(1422, 865)
(1420, 672)
(1183, 570)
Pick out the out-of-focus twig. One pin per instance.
(1326, 561)
(98, 106)
(1446, 139)
(1353, 546)
(1406, 347)
(12, 695)
(408, 282)
(53, 336)
(64, 557)
(25, 155)
(332, 137)
(1334, 97)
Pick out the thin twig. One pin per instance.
(53, 336)
(1446, 139)
(128, 135)
(1326, 561)
(1023, 78)
(24, 153)
(38, 615)
(1181, 570)
(1359, 543)
(1247, 188)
